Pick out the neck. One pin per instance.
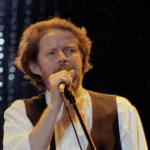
(77, 93)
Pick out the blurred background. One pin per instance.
(120, 31)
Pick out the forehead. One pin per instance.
(57, 37)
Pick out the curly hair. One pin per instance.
(28, 47)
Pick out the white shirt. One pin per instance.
(17, 126)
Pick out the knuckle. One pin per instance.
(64, 71)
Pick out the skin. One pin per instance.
(59, 61)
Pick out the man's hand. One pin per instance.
(55, 80)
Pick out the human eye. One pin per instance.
(51, 52)
(69, 51)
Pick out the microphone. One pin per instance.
(62, 87)
(68, 94)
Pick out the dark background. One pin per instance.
(120, 31)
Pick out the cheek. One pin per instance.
(79, 61)
(46, 68)
(77, 64)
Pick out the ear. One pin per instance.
(34, 68)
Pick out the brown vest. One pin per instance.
(105, 130)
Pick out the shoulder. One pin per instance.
(15, 118)
(127, 114)
(105, 103)
(124, 105)
(103, 100)
(17, 104)
(17, 108)
(101, 95)
(130, 124)
(120, 100)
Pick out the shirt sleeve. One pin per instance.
(17, 127)
(131, 130)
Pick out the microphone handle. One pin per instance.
(62, 87)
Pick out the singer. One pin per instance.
(54, 55)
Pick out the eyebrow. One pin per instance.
(67, 45)
(71, 45)
(49, 49)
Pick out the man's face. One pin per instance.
(59, 50)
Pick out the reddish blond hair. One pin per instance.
(28, 47)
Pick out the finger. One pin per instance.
(60, 76)
(72, 73)
(55, 82)
(63, 73)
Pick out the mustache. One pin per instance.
(66, 67)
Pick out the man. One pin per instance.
(54, 53)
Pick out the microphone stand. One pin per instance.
(72, 100)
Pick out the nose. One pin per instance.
(62, 57)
